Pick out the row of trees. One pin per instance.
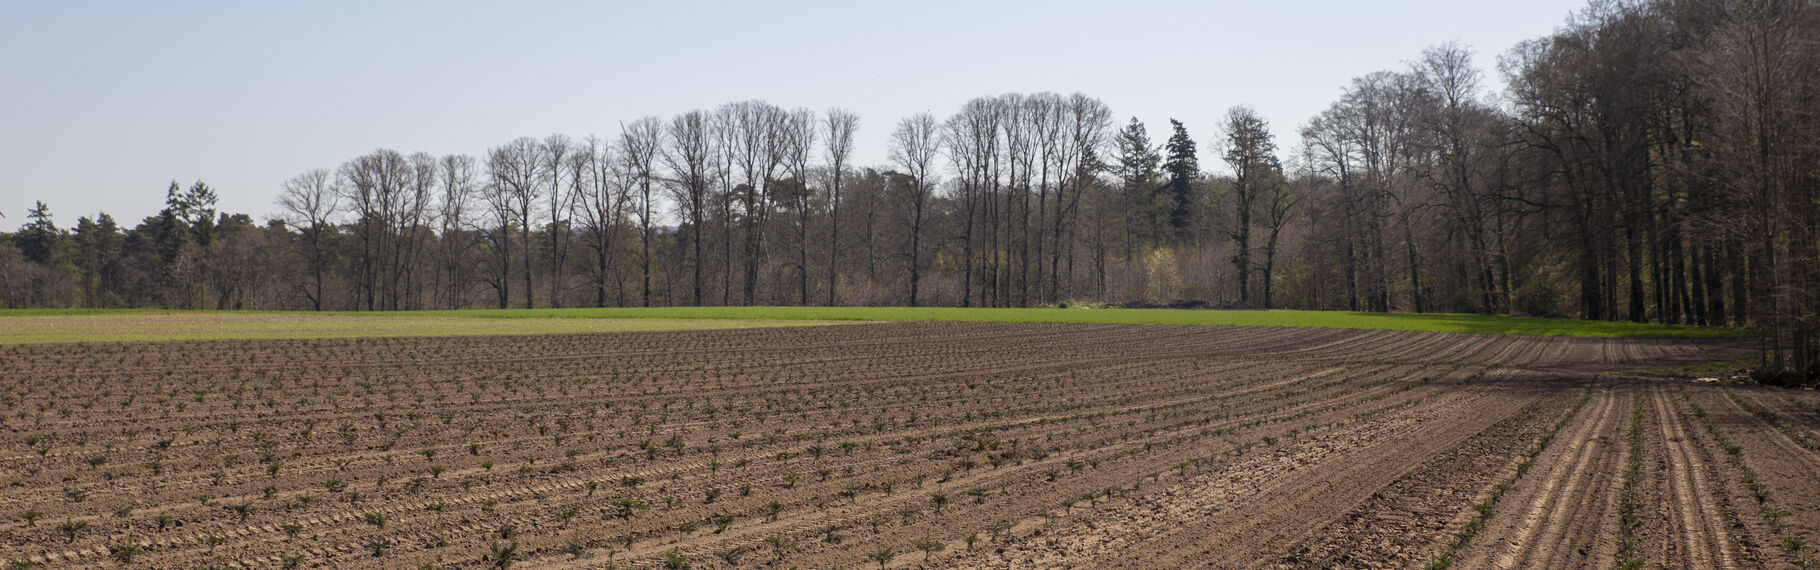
(1650, 161)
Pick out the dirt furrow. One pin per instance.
(1786, 470)
(1699, 535)
(1222, 492)
(991, 444)
(1561, 507)
(1283, 512)
(1408, 522)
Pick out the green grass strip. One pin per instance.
(1437, 322)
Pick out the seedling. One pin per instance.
(883, 556)
(626, 507)
(503, 555)
(731, 556)
(378, 545)
(780, 545)
(575, 549)
(930, 547)
(125, 552)
(71, 527)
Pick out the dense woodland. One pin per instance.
(1649, 161)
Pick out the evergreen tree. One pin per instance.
(38, 239)
(97, 245)
(199, 203)
(170, 229)
(1137, 172)
(1182, 167)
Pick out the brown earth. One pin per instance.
(922, 444)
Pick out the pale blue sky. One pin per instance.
(103, 103)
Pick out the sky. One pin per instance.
(103, 104)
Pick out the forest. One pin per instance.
(1653, 161)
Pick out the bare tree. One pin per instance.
(687, 157)
(1013, 214)
(735, 149)
(1046, 113)
(841, 124)
(601, 194)
(1331, 153)
(556, 151)
(1758, 75)
(1279, 202)
(498, 229)
(963, 154)
(1250, 152)
(379, 188)
(310, 202)
(1453, 125)
(913, 147)
(724, 158)
(639, 146)
(972, 137)
(796, 142)
(751, 134)
(411, 225)
(515, 171)
(1084, 125)
(459, 184)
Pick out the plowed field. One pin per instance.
(902, 445)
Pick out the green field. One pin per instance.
(36, 326)
(1318, 319)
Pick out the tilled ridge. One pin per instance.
(1550, 521)
(1406, 523)
(1699, 533)
(983, 445)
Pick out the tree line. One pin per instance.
(1648, 161)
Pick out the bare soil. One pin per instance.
(901, 445)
